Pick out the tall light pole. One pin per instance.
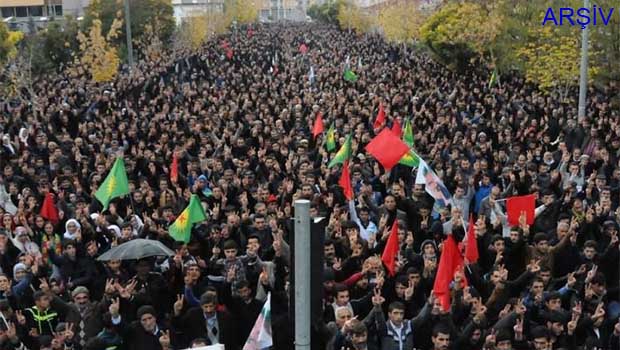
(128, 34)
(302, 272)
(583, 72)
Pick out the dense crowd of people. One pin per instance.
(238, 117)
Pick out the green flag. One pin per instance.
(408, 133)
(494, 78)
(330, 141)
(114, 185)
(343, 153)
(410, 159)
(350, 76)
(181, 228)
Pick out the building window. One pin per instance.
(21, 11)
(8, 12)
(36, 11)
(58, 10)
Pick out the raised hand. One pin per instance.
(577, 309)
(178, 305)
(164, 340)
(599, 312)
(505, 311)
(518, 329)
(21, 319)
(377, 299)
(572, 325)
(115, 307)
(480, 312)
(11, 331)
(43, 285)
(337, 266)
(571, 280)
(520, 308)
(534, 266)
(231, 274)
(489, 341)
(129, 289)
(380, 279)
(109, 286)
(591, 273)
(69, 333)
(409, 291)
(264, 276)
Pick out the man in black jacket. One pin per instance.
(205, 322)
(244, 307)
(142, 334)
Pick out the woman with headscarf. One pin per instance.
(21, 241)
(8, 147)
(71, 229)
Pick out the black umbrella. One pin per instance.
(136, 249)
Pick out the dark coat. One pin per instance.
(193, 325)
(136, 338)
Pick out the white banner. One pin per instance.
(210, 347)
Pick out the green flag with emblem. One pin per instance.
(181, 228)
(114, 185)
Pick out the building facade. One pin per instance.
(31, 15)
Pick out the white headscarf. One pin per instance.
(28, 247)
(69, 235)
(23, 135)
(6, 142)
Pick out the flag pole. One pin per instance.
(133, 209)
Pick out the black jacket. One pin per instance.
(136, 338)
(193, 325)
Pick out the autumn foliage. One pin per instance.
(99, 58)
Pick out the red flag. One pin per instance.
(174, 168)
(380, 117)
(391, 250)
(451, 261)
(387, 148)
(345, 181)
(318, 125)
(396, 129)
(229, 53)
(48, 210)
(303, 49)
(471, 248)
(516, 205)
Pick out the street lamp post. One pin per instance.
(128, 34)
(583, 72)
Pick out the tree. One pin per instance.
(199, 27)
(242, 11)
(155, 13)
(99, 57)
(8, 43)
(460, 31)
(53, 47)
(605, 40)
(552, 61)
(327, 12)
(352, 18)
(401, 21)
(18, 78)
